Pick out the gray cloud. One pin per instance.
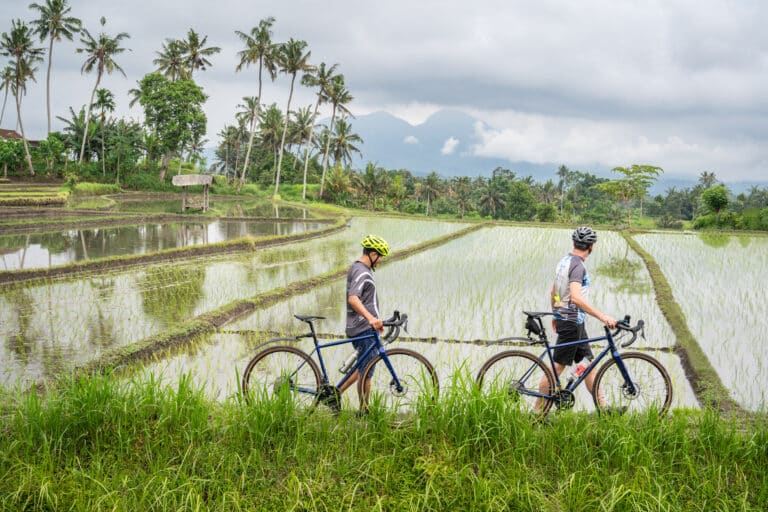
(688, 77)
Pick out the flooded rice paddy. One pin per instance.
(460, 300)
(54, 326)
(719, 282)
(460, 297)
(46, 250)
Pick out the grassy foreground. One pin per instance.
(98, 445)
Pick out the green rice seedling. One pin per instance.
(730, 337)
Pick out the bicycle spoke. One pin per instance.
(417, 387)
(282, 374)
(520, 377)
(652, 386)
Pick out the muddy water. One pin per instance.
(59, 248)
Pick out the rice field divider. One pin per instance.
(701, 374)
(209, 322)
(126, 261)
(503, 342)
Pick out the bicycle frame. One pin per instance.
(611, 348)
(378, 346)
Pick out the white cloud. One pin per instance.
(449, 146)
(410, 139)
(587, 144)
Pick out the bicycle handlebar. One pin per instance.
(624, 325)
(394, 323)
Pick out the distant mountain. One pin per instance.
(443, 143)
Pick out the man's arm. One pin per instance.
(583, 304)
(356, 304)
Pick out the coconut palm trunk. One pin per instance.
(285, 131)
(48, 84)
(309, 147)
(2, 113)
(327, 150)
(88, 117)
(23, 136)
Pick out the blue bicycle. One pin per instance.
(631, 381)
(403, 381)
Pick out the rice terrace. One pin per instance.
(169, 309)
(193, 203)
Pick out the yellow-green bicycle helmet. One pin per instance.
(376, 243)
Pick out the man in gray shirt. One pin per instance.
(363, 305)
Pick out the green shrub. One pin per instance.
(754, 219)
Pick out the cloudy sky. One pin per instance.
(680, 84)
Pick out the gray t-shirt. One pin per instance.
(570, 269)
(360, 282)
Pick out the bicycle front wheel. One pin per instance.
(417, 379)
(520, 376)
(278, 373)
(650, 380)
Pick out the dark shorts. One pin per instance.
(571, 331)
(362, 346)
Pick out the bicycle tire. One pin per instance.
(654, 386)
(518, 374)
(418, 379)
(282, 372)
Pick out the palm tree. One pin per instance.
(195, 53)
(291, 58)
(462, 187)
(6, 82)
(258, 49)
(339, 183)
(492, 197)
(19, 47)
(105, 101)
(372, 183)
(74, 128)
(170, 60)
(53, 23)
(342, 143)
(99, 53)
(431, 188)
(249, 115)
(565, 177)
(339, 96)
(270, 123)
(707, 179)
(320, 78)
(299, 128)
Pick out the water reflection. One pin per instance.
(222, 207)
(50, 249)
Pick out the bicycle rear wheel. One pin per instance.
(520, 376)
(418, 384)
(653, 387)
(281, 372)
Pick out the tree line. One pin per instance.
(269, 144)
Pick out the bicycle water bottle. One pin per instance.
(577, 370)
(348, 362)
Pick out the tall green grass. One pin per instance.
(98, 445)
